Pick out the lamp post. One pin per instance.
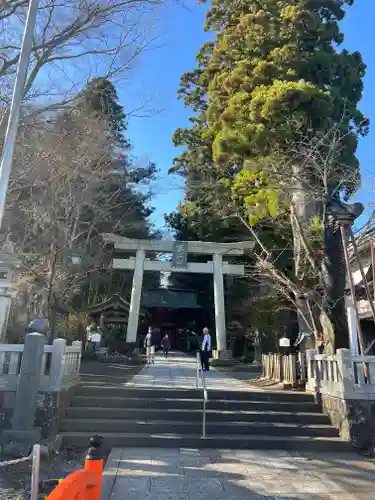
(14, 112)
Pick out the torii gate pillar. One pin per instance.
(135, 299)
(221, 338)
(179, 263)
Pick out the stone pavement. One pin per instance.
(171, 474)
(190, 474)
(179, 372)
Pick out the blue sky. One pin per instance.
(157, 76)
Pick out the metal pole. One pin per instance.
(351, 284)
(14, 112)
(204, 419)
(197, 374)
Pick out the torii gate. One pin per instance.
(180, 250)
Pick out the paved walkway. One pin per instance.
(189, 474)
(170, 474)
(179, 371)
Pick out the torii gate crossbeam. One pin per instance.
(217, 267)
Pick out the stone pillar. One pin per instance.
(23, 430)
(8, 264)
(78, 343)
(5, 303)
(352, 325)
(346, 371)
(135, 301)
(57, 359)
(312, 377)
(221, 340)
(257, 348)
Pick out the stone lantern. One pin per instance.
(257, 340)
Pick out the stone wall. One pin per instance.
(50, 408)
(354, 418)
(7, 402)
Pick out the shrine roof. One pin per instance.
(115, 304)
(170, 299)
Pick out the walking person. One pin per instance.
(205, 350)
(150, 346)
(166, 345)
(96, 339)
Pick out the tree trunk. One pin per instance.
(303, 208)
(334, 280)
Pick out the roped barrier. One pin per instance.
(84, 484)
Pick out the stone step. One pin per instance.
(172, 404)
(79, 440)
(195, 415)
(95, 390)
(195, 428)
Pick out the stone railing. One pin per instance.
(60, 365)
(37, 382)
(341, 375)
(290, 370)
(344, 385)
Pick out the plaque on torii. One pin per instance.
(179, 256)
(180, 250)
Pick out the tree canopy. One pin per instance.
(273, 80)
(73, 179)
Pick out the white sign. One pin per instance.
(284, 342)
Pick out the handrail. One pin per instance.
(202, 376)
(197, 366)
(205, 401)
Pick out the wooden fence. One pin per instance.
(341, 375)
(290, 370)
(60, 365)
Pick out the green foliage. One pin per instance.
(128, 209)
(271, 65)
(256, 191)
(273, 74)
(73, 179)
(99, 97)
(129, 206)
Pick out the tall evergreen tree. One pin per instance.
(73, 179)
(274, 74)
(129, 207)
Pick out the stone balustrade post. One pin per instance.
(57, 364)
(312, 384)
(345, 370)
(78, 343)
(22, 429)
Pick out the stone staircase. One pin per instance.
(173, 418)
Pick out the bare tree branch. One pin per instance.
(105, 36)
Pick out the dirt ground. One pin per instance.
(15, 479)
